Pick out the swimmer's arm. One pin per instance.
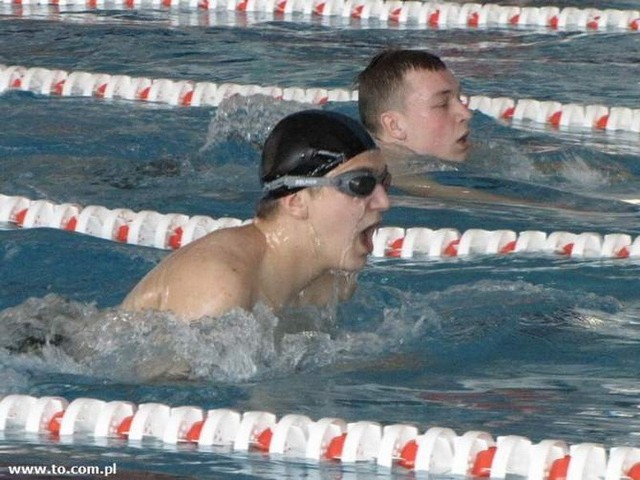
(425, 187)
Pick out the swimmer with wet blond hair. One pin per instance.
(324, 191)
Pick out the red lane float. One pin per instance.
(438, 450)
(173, 230)
(195, 94)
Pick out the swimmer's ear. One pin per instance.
(296, 204)
(393, 125)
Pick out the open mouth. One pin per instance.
(366, 237)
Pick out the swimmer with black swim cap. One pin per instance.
(307, 145)
(324, 191)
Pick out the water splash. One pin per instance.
(478, 320)
(247, 120)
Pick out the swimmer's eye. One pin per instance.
(442, 104)
(362, 183)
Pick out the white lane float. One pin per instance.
(434, 14)
(189, 93)
(173, 230)
(438, 450)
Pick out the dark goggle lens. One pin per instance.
(364, 184)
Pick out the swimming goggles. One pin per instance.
(356, 183)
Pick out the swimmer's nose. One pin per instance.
(380, 199)
(465, 112)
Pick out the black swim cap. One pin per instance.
(310, 143)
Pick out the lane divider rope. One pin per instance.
(427, 14)
(147, 228)
(176, 93)
(44, 81)
(439, 450)
(173, 230)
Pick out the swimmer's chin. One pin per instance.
(465, 145)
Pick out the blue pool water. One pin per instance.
(542, 346)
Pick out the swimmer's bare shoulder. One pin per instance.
(205, 278)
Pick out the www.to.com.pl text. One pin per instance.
(104, 471)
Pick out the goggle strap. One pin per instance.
(341, 181)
